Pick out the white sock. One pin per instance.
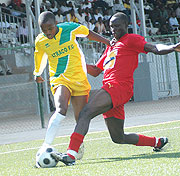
(157, 140)
(53, 127)
(72, 152)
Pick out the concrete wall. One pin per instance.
(145, 87)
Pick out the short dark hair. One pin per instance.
(46, 16)
(123, 17)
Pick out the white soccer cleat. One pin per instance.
(80, 153)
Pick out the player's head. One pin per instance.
(119, 25)
(47, 23)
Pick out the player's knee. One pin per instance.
(86, 112)
(118, 139)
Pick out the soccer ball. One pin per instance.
(43, 157)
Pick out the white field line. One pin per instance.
(95, 139)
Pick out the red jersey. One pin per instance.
(120, 61)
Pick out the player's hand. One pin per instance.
(177, 47)
(38, 79)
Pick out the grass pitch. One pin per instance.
(102, 157)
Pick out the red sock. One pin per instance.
(146, 141)
(159, 142)
(75, 142)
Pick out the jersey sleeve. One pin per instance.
(137, 42)
(100, 62)
(40, 60)
(82, 31)
(74, 28)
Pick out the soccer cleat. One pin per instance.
(8, 72)
(80, 152)
(164, 141)
(63, 157)
(1, 73)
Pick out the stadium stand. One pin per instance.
(13, 35)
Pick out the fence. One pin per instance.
(14, 31)
(21, 112)
(167, 66)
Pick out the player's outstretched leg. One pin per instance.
(116, 130)
(163, 142)
(63, 157)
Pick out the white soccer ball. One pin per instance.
(43, 157)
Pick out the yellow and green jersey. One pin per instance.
(63, 52)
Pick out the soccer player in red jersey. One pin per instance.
(118, 63)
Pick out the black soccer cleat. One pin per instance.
(63, 157)
(164, 141)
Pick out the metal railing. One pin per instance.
(12, 32)
(162, 62)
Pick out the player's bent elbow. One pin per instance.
(94, 73)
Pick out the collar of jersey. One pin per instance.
(58, 34)
(123, 37)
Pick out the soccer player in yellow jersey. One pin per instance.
(67, 67)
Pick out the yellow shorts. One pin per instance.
(76, 88)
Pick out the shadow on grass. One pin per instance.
(140, 156)
(146, 156)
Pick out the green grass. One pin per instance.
(102, 156)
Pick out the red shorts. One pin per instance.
(120, 94)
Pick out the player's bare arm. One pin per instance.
(94, 36)
(93, 70)
(161, 49)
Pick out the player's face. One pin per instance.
(118, 28)
(49, 29)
